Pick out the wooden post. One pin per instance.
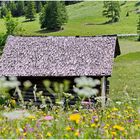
(103, 93)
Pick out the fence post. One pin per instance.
(103, 93)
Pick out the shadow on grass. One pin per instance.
(104, 23)
(28, 21)
(43, 31)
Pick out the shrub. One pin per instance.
(10, 23)
(3, 38)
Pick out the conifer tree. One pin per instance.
(30, 11)
(12, 7)
(4, 11)
(38, 6)
(10, 23)
(20, 8)
(53, 16)
(112, 10)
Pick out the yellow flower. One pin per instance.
(77, 133)
(17, 131)
(118, 127)
(49, 134)
(108, 116)
(25, 134)
(68, 128)
(125, 111)
(138, 125)
(44, 114)
(13, 102)
(75, 117)
(96, 120)
(31, 117)
(136, 120)
(3, 129)
(83, 123)
(106, 126)
(115, 109)
(93, 125)
(113, 133)
(98, 125)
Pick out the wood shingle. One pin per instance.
(59, 56)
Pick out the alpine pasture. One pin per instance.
(120, 119)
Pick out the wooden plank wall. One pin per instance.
(28, 94)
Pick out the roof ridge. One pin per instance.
(111, 35)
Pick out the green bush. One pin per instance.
(3, 38)
(10, 23)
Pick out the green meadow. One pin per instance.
(85, 19)
(126, 72)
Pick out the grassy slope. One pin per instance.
(2, 26)
(126, 74)
(82, 13)
(126, 68)
(129, 46)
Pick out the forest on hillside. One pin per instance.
(69, 17)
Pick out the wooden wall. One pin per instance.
(28, 94)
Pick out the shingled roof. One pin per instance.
(59, 56)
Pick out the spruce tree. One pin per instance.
(4, 11)
(138, 28)
(53, 16)
(12, 7)
(38, 6)
(30, 11)
(112, 10)
(20, 8)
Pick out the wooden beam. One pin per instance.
(103, 93)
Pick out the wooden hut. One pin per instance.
(58, 58)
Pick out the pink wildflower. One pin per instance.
(48, 118)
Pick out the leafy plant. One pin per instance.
(3, 38)
(5, 86)
(85, 87)
(58, 88)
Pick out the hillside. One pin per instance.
(86, 19)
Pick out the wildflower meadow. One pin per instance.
(113, 122)
(118, 120)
